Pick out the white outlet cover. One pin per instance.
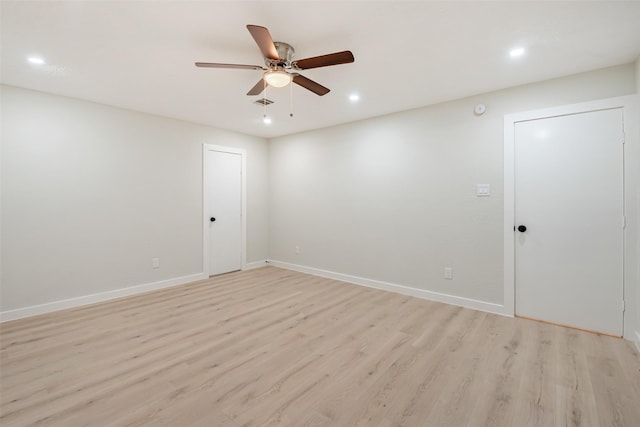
(448, 273)
(483, 190)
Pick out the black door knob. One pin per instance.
(213, 219)
(522, 228)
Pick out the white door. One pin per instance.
(223, 187)
(569, 196)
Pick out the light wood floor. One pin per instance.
(271, 347)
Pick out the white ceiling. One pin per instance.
(140, 54)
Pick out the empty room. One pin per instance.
(320, 213)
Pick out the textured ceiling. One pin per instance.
(140, 54)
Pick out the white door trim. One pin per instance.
(205, 200)
(629, 104)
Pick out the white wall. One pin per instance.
(393, 198)
(91, 193)
(637, 307)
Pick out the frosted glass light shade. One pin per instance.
(277, 78)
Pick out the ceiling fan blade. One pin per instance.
(236, 66)
(337, 58)
(258, 88)
(306, 83)
(265, 42)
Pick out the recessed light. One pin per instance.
(354, 97)
(516, 52)
(266, 120)
(36, 61)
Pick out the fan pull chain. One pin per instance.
(264, 118)
(291, 99)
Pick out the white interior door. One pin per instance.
(223, 186)
(569, 196)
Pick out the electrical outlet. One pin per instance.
(155, 262)
(297, 249)
(483, 190)
(448, 273)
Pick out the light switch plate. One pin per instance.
(483, 190)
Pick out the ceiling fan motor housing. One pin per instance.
(285, 53)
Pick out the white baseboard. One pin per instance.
(133, 290)
(399, 289)
(256, 264)
(95, 298)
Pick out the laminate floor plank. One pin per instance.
(496, 405)
(605, 372)
(575, 401)
(462, 392)
(272, 347)
(537, 392)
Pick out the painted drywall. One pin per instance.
(394, 198)
(91, 193)
(637, 283)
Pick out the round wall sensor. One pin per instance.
(480, 109)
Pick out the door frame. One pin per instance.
(631, 194)
(205, 203)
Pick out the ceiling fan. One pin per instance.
(280, 69)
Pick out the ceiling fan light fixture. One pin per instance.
(277, 78)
